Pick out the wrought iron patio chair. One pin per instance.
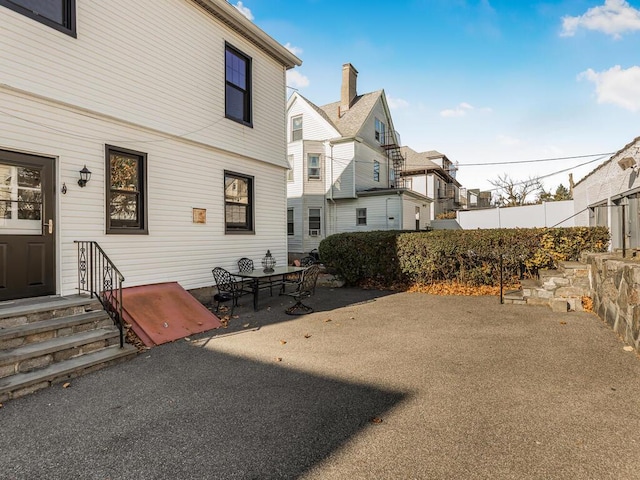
(246, 265)
(307, 261)
(306, 287)
(228, 290)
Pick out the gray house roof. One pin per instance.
(349, 123)
(416, 162)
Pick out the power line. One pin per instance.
(514, 162)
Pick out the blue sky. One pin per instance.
(481, 81)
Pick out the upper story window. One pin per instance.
(380, 131)
(238, 86)
(238, 202)
(296, 128)
(290, 169)
(376, 171)
(126, 190)
(313, 166)
(58, 14)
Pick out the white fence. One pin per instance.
(546, 214)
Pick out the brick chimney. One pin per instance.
(348, 90)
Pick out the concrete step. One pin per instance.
(12, 337)
(22, 384)
(41, 354)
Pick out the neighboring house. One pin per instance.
(610, 196)
(433, 174)
(345, 169)
(177, 110)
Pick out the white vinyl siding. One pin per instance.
(169, 76)
(176, 249)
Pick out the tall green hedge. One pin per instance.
(468, 256)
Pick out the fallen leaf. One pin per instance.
(563, 323)
(187, 339)
(246, 325)
(1, 405)
(283, 342)
(307, 335)
(278, 359)
(628, 349)
(66, 385)
(235, 316)
(375, 420)
(352, 318)
(327, 320)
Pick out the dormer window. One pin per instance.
(380, 133)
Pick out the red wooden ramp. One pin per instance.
(164, 312)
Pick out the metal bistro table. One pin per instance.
(259, 274)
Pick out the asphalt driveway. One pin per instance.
(374, 385)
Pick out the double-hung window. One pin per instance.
(238, 86)
(361, 216)
(290, 169)
(126, 191)
(380, 131)
(313, 166)
(238, 203)
(296, 128)
(314, 222)
(376, 171)
(58, 14)
(290, 230)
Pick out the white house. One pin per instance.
(433, 174)
(610, 196)
(177, 108)
(345, 163)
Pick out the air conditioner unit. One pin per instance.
(314, 232)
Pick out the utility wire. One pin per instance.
(515, 162)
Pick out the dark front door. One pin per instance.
(27, 248)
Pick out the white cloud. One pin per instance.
(508, 141)
(244, 10)
(460, 111)
(396, 103)
(295, 50)
(617, 86)
(613, 18)
(296, 80)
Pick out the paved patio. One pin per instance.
(374, 385)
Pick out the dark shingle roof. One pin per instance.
(349, 123)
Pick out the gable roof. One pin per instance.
(350, 122)
(232, 18)
(417, 160)
(606, 162)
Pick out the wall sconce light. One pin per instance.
(626, 162)
(85, 176)
(268, 262)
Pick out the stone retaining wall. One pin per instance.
(615, 287)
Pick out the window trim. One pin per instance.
(376, 171)
(380, 133)
(291, 231)
(319, 229)
(290, 172)
(294, 131)
(251, 229)
(360, 217)
(248, 92)
(319, 167)
(68, 26)
(143, 228)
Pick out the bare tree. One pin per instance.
(510, 193)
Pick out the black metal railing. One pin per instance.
(98, 276)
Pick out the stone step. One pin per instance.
(20, 312)
(37, 355)
(25, 383)
(12, 337)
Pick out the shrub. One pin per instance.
(466, 256)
